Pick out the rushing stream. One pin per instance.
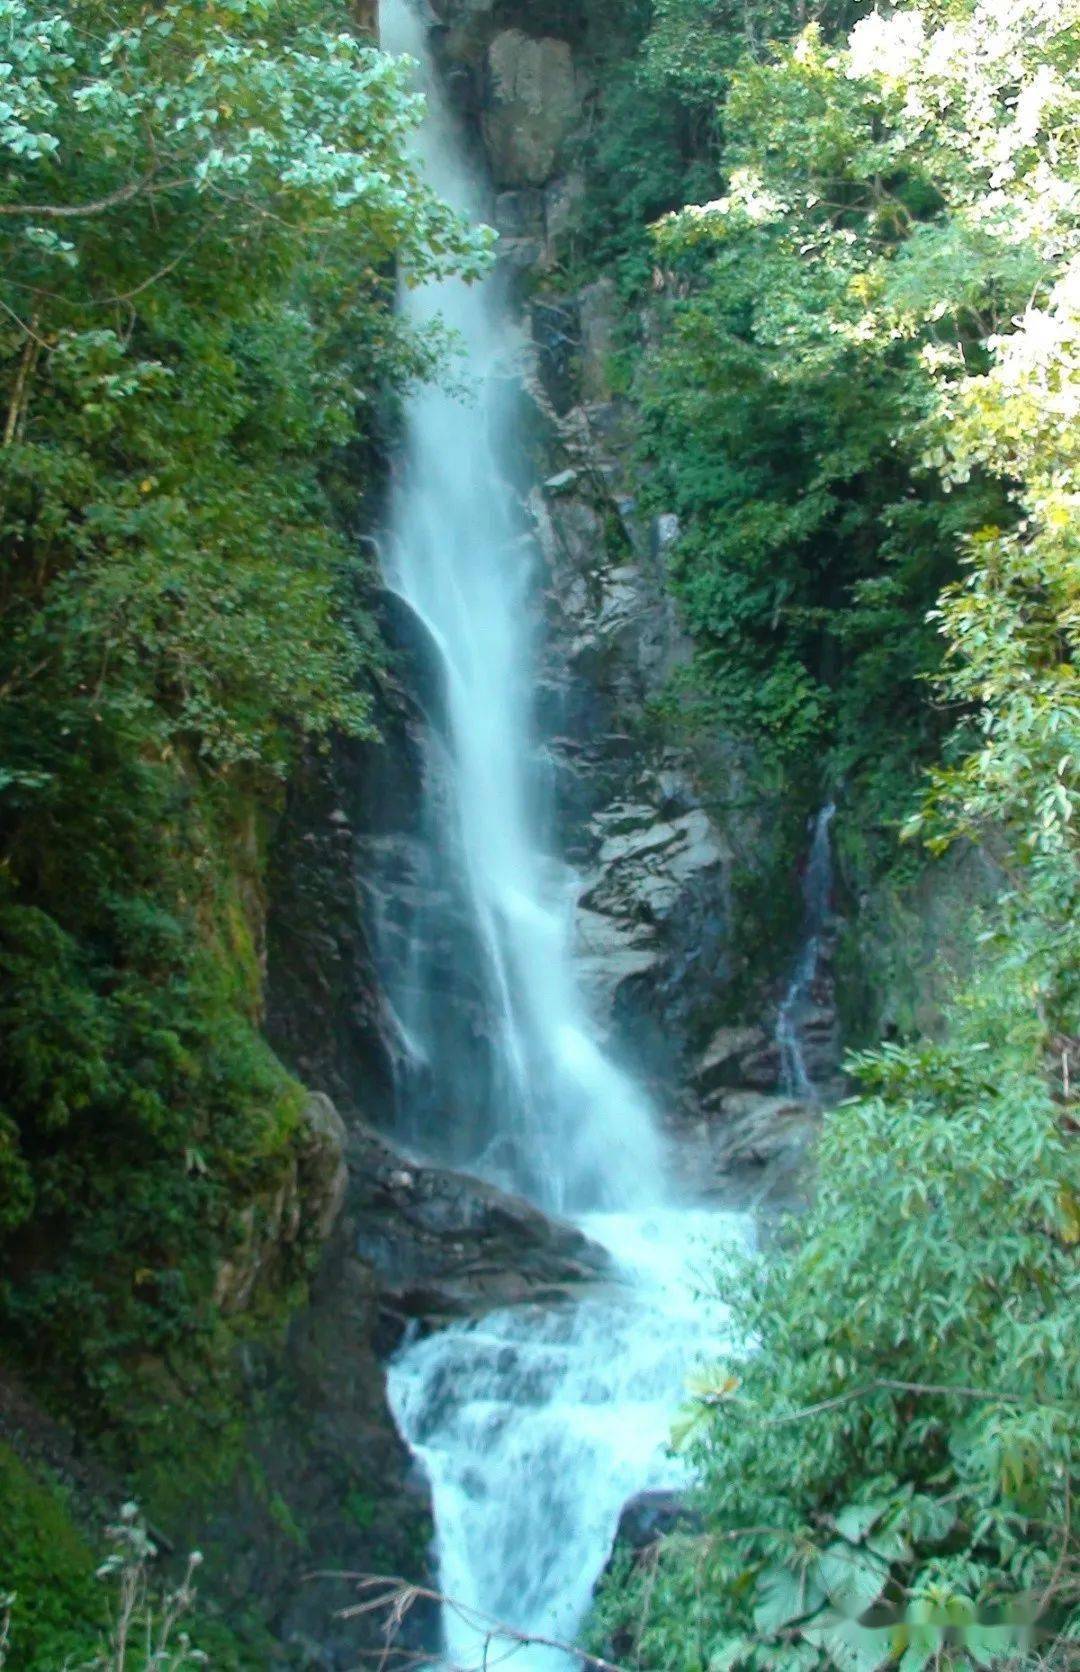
(564, 1125)
(535, 1425)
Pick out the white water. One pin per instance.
(535, 1425)
(579, 1131)
(817, 887)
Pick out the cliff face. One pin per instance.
(676, 845)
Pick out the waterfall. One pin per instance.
(537, 1426)
(560, 1122)
(534, 1425)
(817, 890)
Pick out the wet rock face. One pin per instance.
(331, 1486)
(654, 916)
(534, 102)
(325, 1010)
(654, 919)
(328, 1488)
(659, 862)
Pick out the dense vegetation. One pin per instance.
(815, 539)
(870, 397)
(201, 206)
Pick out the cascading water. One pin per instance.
(534, 1425)
(565, 1125)
(817, 889)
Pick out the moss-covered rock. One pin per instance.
(56, 1607)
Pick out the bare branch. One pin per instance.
(1053, 1584)
(21, 323)
(27, 359)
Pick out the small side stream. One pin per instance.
(817, 894)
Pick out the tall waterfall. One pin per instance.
(534, 1425)
(563, 1124)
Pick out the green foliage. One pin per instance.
(664, 69)
(789, 432)
(940, 1254)
(362, 1509)
(889, 1462)
(59, 1608)
(151, 1113)
(201, 208)
(693, 46)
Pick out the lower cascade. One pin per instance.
(538, 1424)
(535, 1425)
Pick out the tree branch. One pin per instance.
(883, 1385)
(65, 211)
(21, 323)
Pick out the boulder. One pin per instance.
(721, 1062)
(534, 104)
(443, 1244)
(610, 952)
(752, 1129)
(641, 873)
(322, 1175)
(664, 533)
(761, 1070)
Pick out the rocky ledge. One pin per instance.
(442, 1244)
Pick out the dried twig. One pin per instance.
(398, 1597)
(1053, 1584)
(24, 373)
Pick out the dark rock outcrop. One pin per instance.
(328, 1487)
(442, 1244)
(652, 1516)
